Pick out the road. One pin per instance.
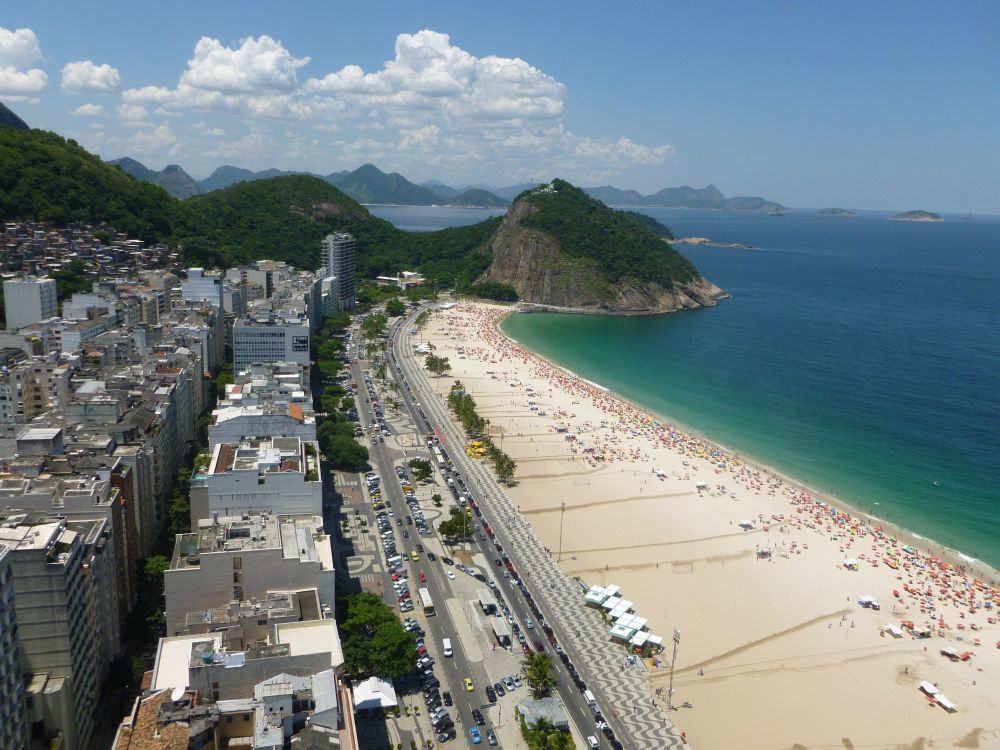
(451, 671)
(621, 694)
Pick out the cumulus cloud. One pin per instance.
(158, 143)
(259, 64)
(132, 113)
(429, 72)
(84, 76)
(88, 110)
(433, 104)
(19, 50)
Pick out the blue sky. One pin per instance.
(870, 105)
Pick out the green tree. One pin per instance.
(373, 639)
(345, 453)
(438, 365)
(374, 326)
(394, 308)
(422, 469)
(539, 674)
(457, 526)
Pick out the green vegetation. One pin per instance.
(44, 177)
(421, 468)
(394, 308)
(649, 223)
(622, 247)
(539, 674)
(541, 735)
(374, 326)
(373, 638)
(491, 290)
(438, 365)
(71, 280)
(335, 431)
(475, 426)
(456, 528)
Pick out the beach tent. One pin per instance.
(746, 525)
(851, 563)
(928, 688)
(611, 602)
(947, 705)
(894, 630)
(701, 485)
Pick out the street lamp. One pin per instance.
(673, 660)
(562, 515)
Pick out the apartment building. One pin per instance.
(271, 337)
(246, 556)
(29, 299)
(280, 474)
(13, 726)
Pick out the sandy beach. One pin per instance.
(761, 577)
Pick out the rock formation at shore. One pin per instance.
(559, 248)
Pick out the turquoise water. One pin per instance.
(858, 355)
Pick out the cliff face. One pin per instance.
(531, 262)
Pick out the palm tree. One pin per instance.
(538, 672)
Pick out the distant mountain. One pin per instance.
(511, 191)
(685, 197)
(834, 212)
(476, 198)
(369, 184)
(442, 191)
(227, 175)
(171, 178)
(9, 120)
(916, 216)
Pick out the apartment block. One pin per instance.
(29, 299)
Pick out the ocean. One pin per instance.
(857, 355)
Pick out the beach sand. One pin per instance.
(776, 651)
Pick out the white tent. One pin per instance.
(374, 693)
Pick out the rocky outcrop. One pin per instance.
(531, 262)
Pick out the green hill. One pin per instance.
(44, 177)
(558, 247)
(576, 250)
(477, 198)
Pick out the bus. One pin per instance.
(426, 601)
(438, 458)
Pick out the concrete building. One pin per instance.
(338, 260)
(242, 557)
(29, 299)
(202, 287)
(280, 474)
(220, 672)
(56, 627)
(13, 727)
(274, 337)
(231, 424)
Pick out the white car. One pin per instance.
(450, 574)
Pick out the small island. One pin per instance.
(916, 216)
(705, 242)
(835, 212)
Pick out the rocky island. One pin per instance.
(834, 212)
(561, 249)
(705, 242)
(916, 216)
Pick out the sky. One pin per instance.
(888, 105)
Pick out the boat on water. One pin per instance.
(969, 216)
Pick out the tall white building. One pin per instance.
(28, 300)
(13, 728)
(273, 337)
(338, 261)
(55, 623)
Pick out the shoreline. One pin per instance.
(925, 544)
(783, 595)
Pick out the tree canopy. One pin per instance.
(373, 638)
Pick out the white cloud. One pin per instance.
(84, 76)
(158, 143)
(433, 105)
(88, 110)
(261, 64)
(132, 113)
(429, 72)
(20, 49)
